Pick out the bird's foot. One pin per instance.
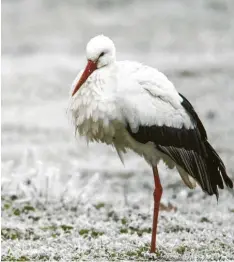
(168, 207)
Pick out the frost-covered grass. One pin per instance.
(45, 218)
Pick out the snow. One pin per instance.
(62, 200)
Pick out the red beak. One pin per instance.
(91, 66)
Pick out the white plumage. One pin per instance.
(126, 92)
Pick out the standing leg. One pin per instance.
(157, 196)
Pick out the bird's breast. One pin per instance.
(95, 115)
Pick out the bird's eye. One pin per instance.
(102, 54)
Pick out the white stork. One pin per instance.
(133, 106)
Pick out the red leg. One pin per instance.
(157, 196)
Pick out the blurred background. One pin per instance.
(43, 49)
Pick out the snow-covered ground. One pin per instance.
(62, 200)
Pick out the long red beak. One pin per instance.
(91, 66)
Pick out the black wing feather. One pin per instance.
(189, 108)
(189, 149)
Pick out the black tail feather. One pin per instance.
(217, 170)
(206, 168)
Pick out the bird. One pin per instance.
(132, 106)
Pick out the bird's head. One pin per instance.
(100, 52)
